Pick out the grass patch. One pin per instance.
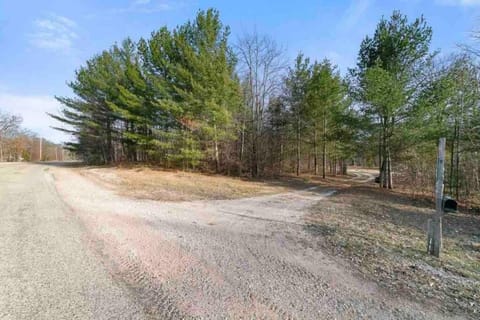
(383, 234)
(150, 183)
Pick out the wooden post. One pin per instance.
(40, 149)
(429, 236)
(434, 244)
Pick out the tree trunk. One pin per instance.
(215, 149)
(256, 120)
(389, 171)
(324, 147)
(344, 167)
(309, 162)
(298, 146)
(380, 158)
(384, 167)
(40, 150)
(457, 164)
(434, 242)
(281, 156)
(335, 165)
(217, 158)
(315, 151)
(382, 174)
(452, 160)
(242, 141)
(109, 142)
(254, 162)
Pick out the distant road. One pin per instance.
(363, 175)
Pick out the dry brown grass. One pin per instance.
(383, 234)
(150, 183)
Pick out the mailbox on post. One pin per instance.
(449, 205)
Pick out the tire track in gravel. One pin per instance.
(128, 270)
(165, 292)
(252, 270)
(192, 260)
(157, 302)
(123, 267)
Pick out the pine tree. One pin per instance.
(326, 107)
(296, 86)
(388, 79)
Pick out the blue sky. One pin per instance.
(43, 42)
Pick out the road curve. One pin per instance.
(71, 249)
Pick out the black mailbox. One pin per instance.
(449, 205)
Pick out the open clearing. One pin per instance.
(148, 183)
(284, 254)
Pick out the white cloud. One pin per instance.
(54, 33)
(460, 3)
(334, 57)
(141, 2)
(33, 110)
(354, 13)
(147, 6)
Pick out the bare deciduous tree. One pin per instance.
(8, 124)
(261, 67)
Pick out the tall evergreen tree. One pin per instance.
(296, 86)
(388, 78)
(326, 106)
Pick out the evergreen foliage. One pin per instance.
(183, 98)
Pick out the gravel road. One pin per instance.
(72, 249)
(46, 270)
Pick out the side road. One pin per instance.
(246, 258)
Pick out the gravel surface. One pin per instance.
(46, 270)
(250, 258)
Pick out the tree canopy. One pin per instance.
(188, 98)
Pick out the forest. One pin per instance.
(192, 98)
(18, 144)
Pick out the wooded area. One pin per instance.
(17, 144)
(189, 98)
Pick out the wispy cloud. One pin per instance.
(148, 6)
(334, 57)
(354, 13)
(459, 3)
(141, 2)
(55, 33)
(33, 110)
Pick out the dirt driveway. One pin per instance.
(249, 258)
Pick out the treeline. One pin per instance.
(170, 99)
(17, 144)
(187, 98)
